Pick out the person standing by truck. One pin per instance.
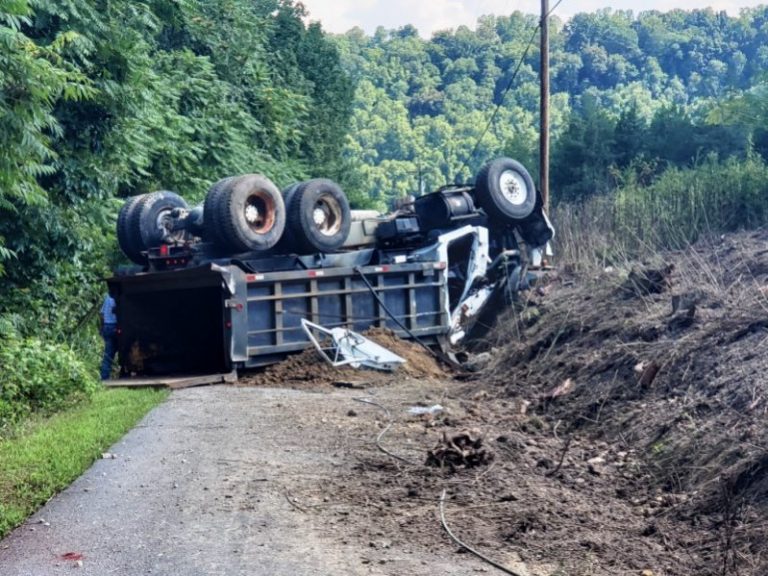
(108, 325)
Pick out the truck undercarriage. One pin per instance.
(427, 271)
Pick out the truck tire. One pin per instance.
(319, 217)
(505, 190)
(289, 191)
(210, 227)
(248, 214)
(153, 209)
(128, 237)
(285, 245)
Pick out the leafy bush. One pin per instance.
(39, 376)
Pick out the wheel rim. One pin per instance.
(513, 187)
(259, 212)
(163, 224)
(326, 215)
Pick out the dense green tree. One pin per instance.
(33, 78)
(585, 153)
(101, 100)
(748, 113)
(629, 137)
(613, 30)
(631, 68)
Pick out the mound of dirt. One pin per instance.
(419, 363)
(308, 369)
(674, 373)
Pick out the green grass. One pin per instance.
(46, 455)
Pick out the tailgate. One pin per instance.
(174, 322)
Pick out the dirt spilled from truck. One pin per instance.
(618, 427)
(309, 370)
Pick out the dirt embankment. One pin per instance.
(665, 366)
(659, 375)
(618, 427)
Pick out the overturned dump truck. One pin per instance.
(224, 285)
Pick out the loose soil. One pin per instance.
(309, 370)
(621, 415)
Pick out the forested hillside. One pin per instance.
(647, 90)
(100, 100)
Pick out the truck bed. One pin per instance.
(215, 318)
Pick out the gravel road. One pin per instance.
(202, 487)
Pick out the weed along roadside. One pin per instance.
(45, 454)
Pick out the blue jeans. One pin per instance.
(109, 333)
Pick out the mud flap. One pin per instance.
(237, 306)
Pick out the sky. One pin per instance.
(428, 16)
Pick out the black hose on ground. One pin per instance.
(384, 431)
(466, 547)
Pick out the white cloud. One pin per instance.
(429, 16)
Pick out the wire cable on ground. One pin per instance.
(385, 430)
(480, 555)
(508, 87)
(292, 502)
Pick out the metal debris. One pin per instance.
(420, 410)
(342, 347)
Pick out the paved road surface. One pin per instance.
(199, 488)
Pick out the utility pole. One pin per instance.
(544, 107)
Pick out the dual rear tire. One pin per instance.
(248, 213)
(243, 214)
(319, 217)
(144, 222)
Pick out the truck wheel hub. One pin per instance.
(164, 225)
(252, 214)
(319, 216)
(513, 187)
(260, 212)
(326, 216)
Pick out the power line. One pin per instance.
(552, 9)
(508, 87)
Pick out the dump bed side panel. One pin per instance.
(212, 318)
(413, 293)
